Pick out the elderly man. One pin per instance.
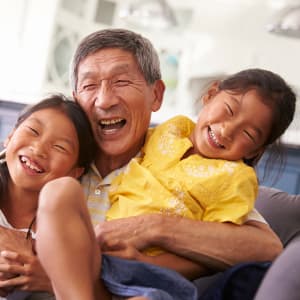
(116, 79)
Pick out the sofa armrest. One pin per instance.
(282, 279)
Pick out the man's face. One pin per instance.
(118, 101)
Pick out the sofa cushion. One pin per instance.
(281, 210)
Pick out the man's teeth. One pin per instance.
(110, 122)
(26, 161)
(214, 138)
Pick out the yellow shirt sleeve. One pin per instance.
(230, 197)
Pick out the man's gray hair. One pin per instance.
(141, 48)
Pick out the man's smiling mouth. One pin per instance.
(112, 124)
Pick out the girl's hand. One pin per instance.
(123, 250)
(25, 272)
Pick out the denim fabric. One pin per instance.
(239, 282)
(131, 278)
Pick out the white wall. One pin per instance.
(25, 30)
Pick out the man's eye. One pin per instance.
(89, 87)
(122, 82)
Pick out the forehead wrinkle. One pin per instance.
(115, 70)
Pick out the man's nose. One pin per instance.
(105, 96)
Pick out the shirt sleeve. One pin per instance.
(232, 196)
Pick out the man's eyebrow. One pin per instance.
(121, 68)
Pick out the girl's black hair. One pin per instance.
(87, 144)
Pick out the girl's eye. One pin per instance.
(34, 131)
(229, 109)
(249, 135)
(60, 148)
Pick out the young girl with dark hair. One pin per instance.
(51, 139)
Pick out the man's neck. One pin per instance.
(106, 164)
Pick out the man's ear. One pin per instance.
(159, 89)
(74, 96)
(211, 92)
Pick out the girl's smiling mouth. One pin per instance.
(214, 139)
(30, 164)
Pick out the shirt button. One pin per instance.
(97, 192)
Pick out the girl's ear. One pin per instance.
(78, 172)
(7, 140)
(211, 92)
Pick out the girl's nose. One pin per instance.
(39, 149)
(227, 130)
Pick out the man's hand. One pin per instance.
(118, 241)
(136, 231)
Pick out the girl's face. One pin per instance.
(232, 127)
(44, 147)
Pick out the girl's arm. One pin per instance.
(183, 266)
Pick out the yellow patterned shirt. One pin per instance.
(162, 181)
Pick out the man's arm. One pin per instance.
(223, 242)
(215, 245)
